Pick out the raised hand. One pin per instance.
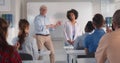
(58, 23)
(50, 26)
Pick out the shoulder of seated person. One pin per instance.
(107, 35)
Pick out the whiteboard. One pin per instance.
(57, 12)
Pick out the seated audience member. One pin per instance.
(80, 40)
(25, 43)
(8, 54)
(109, 46)
(92, 40)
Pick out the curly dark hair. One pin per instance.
(72, 11)
(98, 20)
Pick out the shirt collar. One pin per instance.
(98, 29)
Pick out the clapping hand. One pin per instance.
(50, 26)
(53, 26)
(58, 23)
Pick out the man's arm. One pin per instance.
(54, 25)
(100, 54)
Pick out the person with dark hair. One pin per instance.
(25, 43)
(80, 40)
(23, 31)
(109, 46)
(8, 53)
(74, 12)
(91, 41)
(71, 28)
(89, 27)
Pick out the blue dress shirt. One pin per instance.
(91, 41)
(40, 23)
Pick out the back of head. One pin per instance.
(3, 32)
(23, 24)
(3, 35)
(116, 19)
(98, 20)
(89, 27)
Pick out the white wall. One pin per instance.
(96, 4)
(117, 0)
(15, 10)
(107, 8)
(117, 5)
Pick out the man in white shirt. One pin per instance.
(42, 26)
(109, 46)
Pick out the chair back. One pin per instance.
(26, 56)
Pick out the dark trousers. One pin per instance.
(89, 55)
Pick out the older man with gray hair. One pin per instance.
(42, 26)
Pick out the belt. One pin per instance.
(43, 34)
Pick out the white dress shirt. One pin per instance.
(68, 31)
(40, 23)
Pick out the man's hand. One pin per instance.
(53, 26)
(50, 26)
(58, 23)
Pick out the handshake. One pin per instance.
(54, 25)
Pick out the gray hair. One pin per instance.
(43, 6)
